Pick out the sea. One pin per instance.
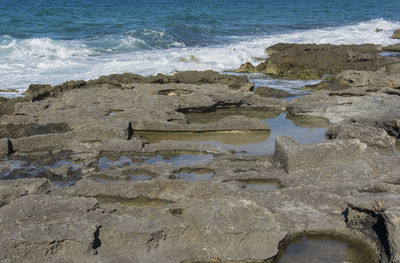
(51, 41)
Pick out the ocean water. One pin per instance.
(51, 41)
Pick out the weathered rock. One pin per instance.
(396, 34)
(50, 233)
(37, 92)
(13, 189)
(246, 68)
(368, 79)
(392, 48)
(6, 147)
(7, 105)
(393, 68)
(294, 156)
(11, 130)
(375, 138)
(369, 108)
(270, 92)
(311, 61)
(377, 216)
(119, 145)
(231, 123)
(249, 68)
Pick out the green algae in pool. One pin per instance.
(140, 201)
(261, 184)
(324, 248)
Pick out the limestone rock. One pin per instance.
(6, 147)
(375, 138)
(294, 156)
(396, 34)
(270, 92)
(311, 61)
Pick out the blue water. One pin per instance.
(50, 41)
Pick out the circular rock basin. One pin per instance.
(324, 248)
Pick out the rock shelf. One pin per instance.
(145, 190)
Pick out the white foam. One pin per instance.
(43, 60)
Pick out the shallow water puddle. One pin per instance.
(208, 117)
(194, 174)
(235, 138)
(302, 129)
(40, 166)
(292, 86)
(138, 175)
(101, 178)
(140, 201)
(261, 184)
(175, 159)
(325, 249)
(389, 54)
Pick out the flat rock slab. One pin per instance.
(38, 225)
(294, 156)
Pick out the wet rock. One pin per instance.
(246, 68)
(311, 61)
(392, 48)
(270, 92)
(187, 77)
(375, 138)
(230, 123)
(391, 126)
(38, 92)
(396, 34)
(6, 147)
(377, 217)
(294, 156)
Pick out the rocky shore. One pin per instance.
(87, 176)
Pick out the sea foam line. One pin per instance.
(43, 60)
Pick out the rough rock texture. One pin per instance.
(86, 185)
(312, 61)
(393, 48)
(270, 92)
(127, 81)
(371, 99)
(309, 61)
(5, 147)
(375, 138)
(396, 34)
(293, 156)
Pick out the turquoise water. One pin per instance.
(50, 41)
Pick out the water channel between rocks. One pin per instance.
(302, 129)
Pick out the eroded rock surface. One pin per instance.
(108, 194)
